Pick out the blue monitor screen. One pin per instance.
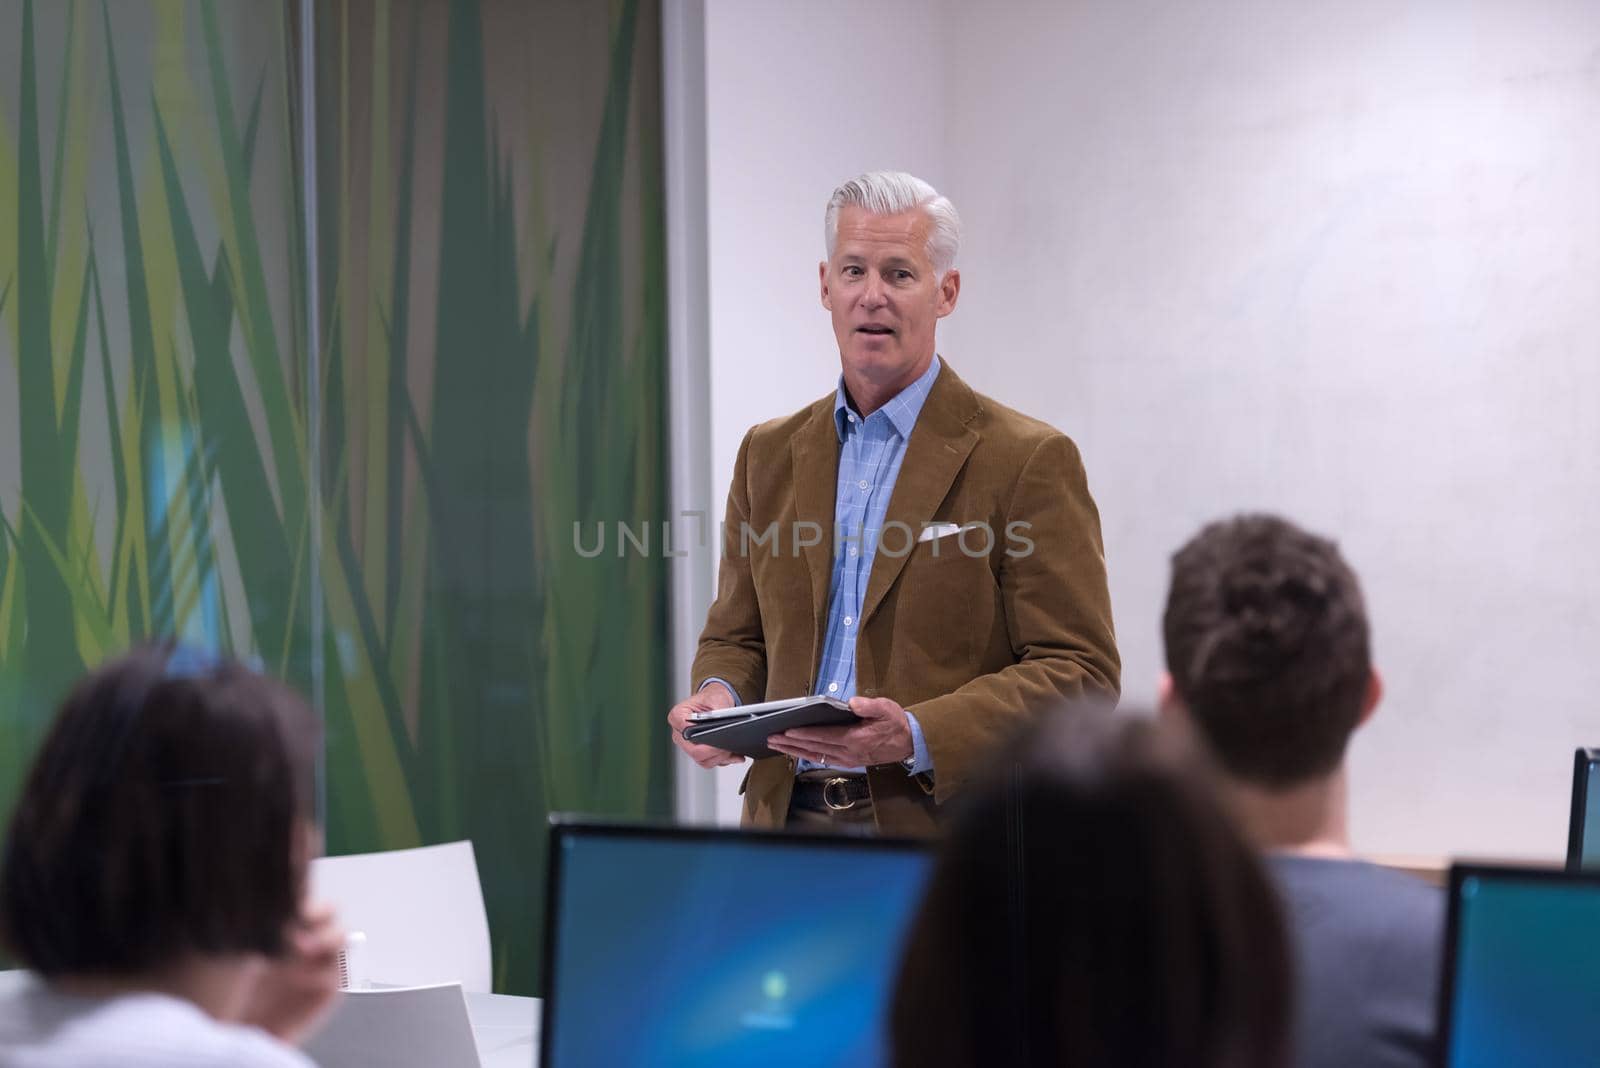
(1589, 857)
(1527, 954)
(723, 950)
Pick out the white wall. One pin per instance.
(1332, 259)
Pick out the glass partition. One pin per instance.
(490, 378)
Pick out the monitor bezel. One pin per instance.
(564, 826)
(1459, 873)
(1582, 761)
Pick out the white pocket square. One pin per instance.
(943, 530)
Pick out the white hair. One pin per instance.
(890, 193)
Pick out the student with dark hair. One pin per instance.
(1094, 907)
(1268, 656)
(153, 878)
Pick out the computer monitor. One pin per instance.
(1583, 840)
(1521, 965)
(694, 946)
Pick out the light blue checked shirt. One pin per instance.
(870, 453)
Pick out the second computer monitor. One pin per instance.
(1583, 839)
(1522, 959)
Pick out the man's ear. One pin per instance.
(949, 290)
(822, 279)
(1370, 699)
(1169, 706)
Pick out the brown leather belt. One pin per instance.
(836, 793)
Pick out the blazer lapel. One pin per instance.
(815, 455)
(939, 446)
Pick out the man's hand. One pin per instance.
(712, 696)
(293, 994)
(882, 737)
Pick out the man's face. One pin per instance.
(884, 296)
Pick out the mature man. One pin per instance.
(904, 543)
(1267, 655)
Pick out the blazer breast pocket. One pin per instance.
(949, 597)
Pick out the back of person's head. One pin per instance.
(166, 814)
(1093, 907)
(1268, 649)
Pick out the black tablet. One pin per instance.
(747, 734)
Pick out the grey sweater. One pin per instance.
(1367, 943)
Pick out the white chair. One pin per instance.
(407, 1027)
(421, 910)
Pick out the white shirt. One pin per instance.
(43, 1028)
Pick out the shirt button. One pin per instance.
(852, 418)
(863, 484)
(852, 550)
(833, 687)
(849, 620)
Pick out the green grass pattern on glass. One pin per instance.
(476, 403)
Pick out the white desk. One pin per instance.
(507, 1029)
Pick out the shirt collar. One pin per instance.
(901, 410)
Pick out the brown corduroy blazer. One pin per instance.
(974, 633)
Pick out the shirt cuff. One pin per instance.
(921, 763)
(726, 685)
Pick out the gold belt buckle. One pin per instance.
(827, 799)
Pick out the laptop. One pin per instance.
(1583, 839)
(713, 947)
(1522, 969)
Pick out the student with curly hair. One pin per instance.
(1268, 656)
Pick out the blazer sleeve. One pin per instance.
(732, 645)
(1058, 616)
